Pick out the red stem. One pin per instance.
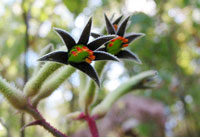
(42, 122)
(92, 126)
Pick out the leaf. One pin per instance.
(75, 6)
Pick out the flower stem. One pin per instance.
(92, 126)
(42, 122)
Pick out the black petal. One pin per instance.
(101, 49)
(109, 26)
(117, 20)
(95, 35)
(86, 33)
(66, 37)
(126, 54)
(122, 28)
(99, 41)
(87, 69)
(57, 56)
(101, 55)
(133, 36)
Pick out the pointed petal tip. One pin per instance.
(41, 59)
(56, 29)
(142, 34)
(139, 61)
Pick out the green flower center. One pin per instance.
(81, 53)
(115, 45)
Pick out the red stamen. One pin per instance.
(85, 48)
(78, 49)
(110, 45)
(115, 26)
(88, 60)
(92, 57)
(113, 40)
(74, 53)
(90, 52)
(125, 40)
(120, 38)
(125, 45)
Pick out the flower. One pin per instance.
(116, 46)
(82, 53)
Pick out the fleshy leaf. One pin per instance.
(117, 20)
(101, 55)
(87, 69)
(66, 37)
(133, 36)
(100, 41)
(95, 35)
(57, 56)
(109, 26)
(126, 54)
(122, 27)
(86, 33)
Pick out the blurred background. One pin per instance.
(171, 46)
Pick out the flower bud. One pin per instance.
(13, 95)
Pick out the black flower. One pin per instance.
(116, 46)
(82, 53)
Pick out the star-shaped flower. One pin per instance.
(80, 54)
(116, 46)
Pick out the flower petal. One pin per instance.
(134, 36)
(101, 49)
(57, 56)
(95, 35)
(122, 27)
(109, 26)
(87, 69)
(126, 54)
(99, 41)
(86, 33)
(66, 37)
(117, 20)
(101, 55)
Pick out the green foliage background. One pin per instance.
(171, 46)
